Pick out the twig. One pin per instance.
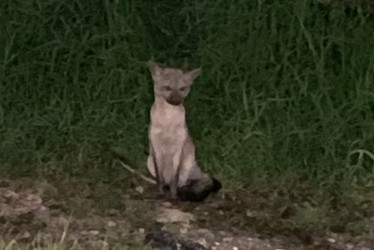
(149, 180)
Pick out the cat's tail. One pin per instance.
(199, 189)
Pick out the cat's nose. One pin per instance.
(175, 99)
(174, 102)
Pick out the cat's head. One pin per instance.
(172, 84)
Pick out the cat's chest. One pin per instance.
(168, 118)
(168, 125)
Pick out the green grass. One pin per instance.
(286, 88)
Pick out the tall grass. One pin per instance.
(286, 86)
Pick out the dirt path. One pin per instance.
(90, 218)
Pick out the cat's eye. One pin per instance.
(167, 88)
(182, 88)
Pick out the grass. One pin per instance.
(286, 93)
(288, 89)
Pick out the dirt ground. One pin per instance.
(94, 216)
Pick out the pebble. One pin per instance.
(249, 213)
(349, 246)
(203, 242)
(139, 189)
(111, 224)
(167, 204)
(227, 239)
(183, 230)
(331, 240)
(94, 232)
(222, 233)
(25, 235)
(10, 195)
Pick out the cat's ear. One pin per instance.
(194, 73)
(154, 68)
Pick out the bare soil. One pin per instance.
(91, 216)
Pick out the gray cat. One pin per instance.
(172, 153)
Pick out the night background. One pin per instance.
(283, 115)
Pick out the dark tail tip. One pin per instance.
(188, 193)
(216, 186)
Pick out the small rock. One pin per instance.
(186, 225)
(217, 243)
(221, 212)
(84, 233)
(183, 230)
(32, 201)
(167, 204)
(10, 195)
(222, 233)
(173, 215)
(94, 232)
(139, 189)
(227, 239)
(141, 230)
(203, 242)
(235, 248)
(42, 209)
(111, 224)
(249, 213)
(203, 232)
(331, 240)
(349, 246)
(25, 236)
